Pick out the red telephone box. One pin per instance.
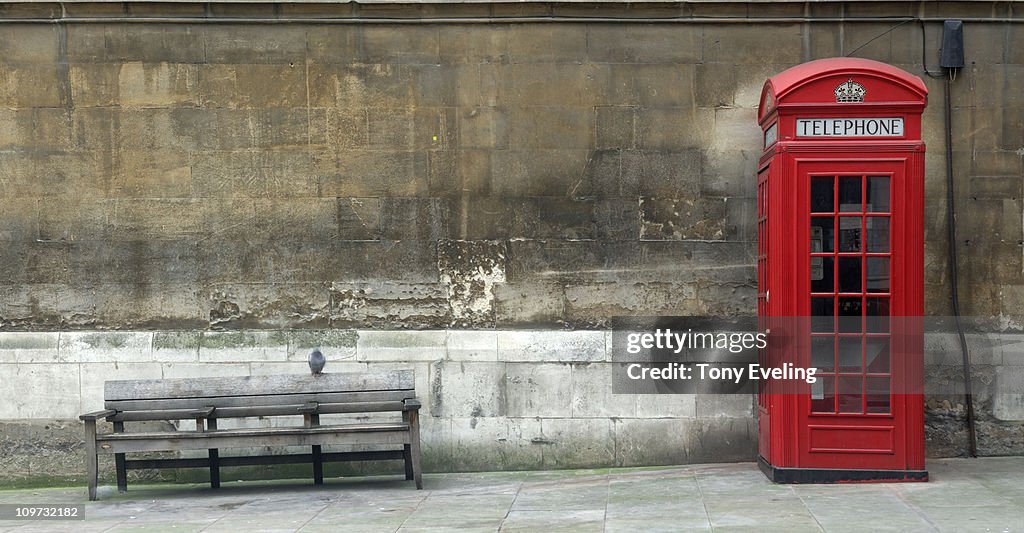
(840, 191)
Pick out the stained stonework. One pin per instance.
(476, 200)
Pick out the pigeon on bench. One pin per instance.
(317, 362)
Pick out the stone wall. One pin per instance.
(218, 192)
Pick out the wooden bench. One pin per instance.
(210, 400)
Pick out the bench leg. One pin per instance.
(91, 463)
(414, 447)
(119, 465)
(214, 468)
(408, 462)
(214, 455)
(122, 473)
(318, 465)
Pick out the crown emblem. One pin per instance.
(850, 91)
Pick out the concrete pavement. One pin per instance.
(963, 495)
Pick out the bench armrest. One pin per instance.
(412, 404)
(96, 415)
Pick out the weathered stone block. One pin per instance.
(390, 305)
(592, 393)
(548, 84)
(528, 302)
(652, 85)
(135, 261)
(483, 127)
(540, 43)
(399, 44)
(305, 219)
(471, 345)
(263, 86)
(28, 347)
(734, 44)
(547, 128)
(414, 219)
(494, 443)
(469, 271)
(358, 218)
(715, 84)
(690, 218)
(615, 127)
(106, 347)
(540, 173)
(390, 129)
(673, 406)
(725, 405)
(529, 218)
(280, 44)
(176, 346)
(551, 346)
(19, 219)
(254, 174)
(359, 85)
(617, 219)
(40, 391)
(465, 44)
(204, 370)
(400, 345)
(648, 43)
(27, 43)
(576, 442)
(533, 389)
(464, 389)
(675, 129)
(373, 173)
(339, 343)
(242, 346)
(30, 85)
(94, 375)
(662, 173)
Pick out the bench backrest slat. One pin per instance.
(256, 401)
(268, 410)
(154, 389)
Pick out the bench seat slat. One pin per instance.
(395, 435)
(221, 402)
(277, 459)
(152, 389)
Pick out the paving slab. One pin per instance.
(963, 495)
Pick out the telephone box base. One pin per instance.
(829, 475)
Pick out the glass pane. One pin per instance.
(849, 194)
(850, 394)
(878, 274)
(849, 234)
(878, 395)
(877, 312)
(822, 234)
(876, 355)
(822, 315)
(822, 194)
(849, 315)
(849, 274)
(823, 354)
(821, 274)
(823, 395)
(849, 354)
(878, 194)
(878, 234)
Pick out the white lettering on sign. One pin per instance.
(849, 127)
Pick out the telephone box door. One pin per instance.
(855, 208)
